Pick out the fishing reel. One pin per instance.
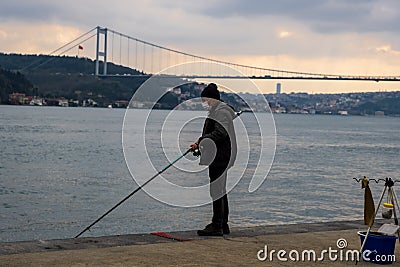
(196, 152)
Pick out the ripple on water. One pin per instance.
(60, 173)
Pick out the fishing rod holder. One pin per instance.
(388, 181)
(390, 208)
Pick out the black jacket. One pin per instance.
(218, 141)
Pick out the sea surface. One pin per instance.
(61, 168)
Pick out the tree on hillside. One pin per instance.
(11, 82)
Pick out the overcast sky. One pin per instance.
(358, 37)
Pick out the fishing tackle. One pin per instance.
(141, 186)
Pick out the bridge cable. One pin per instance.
(67, 44)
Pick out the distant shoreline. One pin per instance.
(156, 109)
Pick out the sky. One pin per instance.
(358, 37)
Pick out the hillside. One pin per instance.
(72, 78)
(11, 82)
(28, 64)
(69, 77)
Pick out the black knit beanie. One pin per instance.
(211, 91)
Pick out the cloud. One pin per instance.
(320, 16)
(299, 35)
(387, 49)
(35, 38)
(23, 10)
(284, 34)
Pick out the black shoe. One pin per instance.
(211, 230)
(225, 229)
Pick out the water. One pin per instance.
(61, 168)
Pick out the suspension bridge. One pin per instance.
(148, 59)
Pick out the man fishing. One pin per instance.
(218, 149)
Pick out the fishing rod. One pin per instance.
(133, 192)
(141, 186)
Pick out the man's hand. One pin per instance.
(194, 146)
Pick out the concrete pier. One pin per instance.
(243, 247)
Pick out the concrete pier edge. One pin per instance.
(22, 247)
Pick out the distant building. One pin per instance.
(121, 103)
(36, 101)
(278, 88)
(177, 91)
(63, 102)
(379, 113)
(17, 98)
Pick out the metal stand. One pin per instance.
(389, 183)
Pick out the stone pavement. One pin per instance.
(240, 248)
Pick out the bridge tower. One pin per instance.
(101, 53)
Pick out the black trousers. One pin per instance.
(218, 176)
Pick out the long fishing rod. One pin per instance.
(133, 192)
(140, 187)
